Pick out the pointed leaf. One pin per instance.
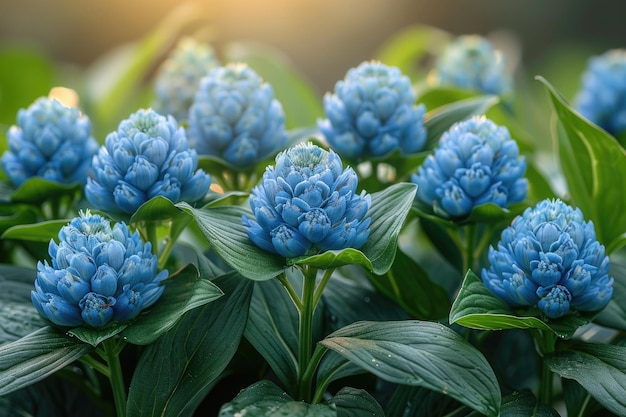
(36, 232)
(522, 403)
(264, 399)
(18, 316)
(175, 372)
(157, 208)
(476, 307)
(352, 402)
(423, 354)
(594, 166)
(183, 292)
(94, 337)
(36, 190)
(36, 356)
(223, 228)
(599, 368)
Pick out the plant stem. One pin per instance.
(545, 343)
(292, 293)
(110, 353)
(151, 231)
(306, 331)
(468, 255)
(321, 286)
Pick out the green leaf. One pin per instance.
(594, 166)
(36, 356)
(14, 214)
(36, 232)
(18, 316)
(300, 102)
(223, 228)
(96, 336)
(410, 401)
(599, 368)
(388, 211)
(423, 354)
(37, 190)
(438, 120)
(352, 402)
(410, 287)
(155, 209)
(522, 403)
(407, 48)
(272, 329)
(264, 399)
(476, 307)
(175, 372)
(334, 259)
(184, 291)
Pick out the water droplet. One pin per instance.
(366, 299)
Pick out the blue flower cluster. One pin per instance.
(549, 258)
(235, 117)
(308, 203)
(372, 113)
(603, 88)
(51, 141)
(98, 275)
(147, 156)
(179, 77)
(476, 162)
(471, 62)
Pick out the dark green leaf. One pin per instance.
(438, 120)
(594, 166)
(96, 336)
(155, 209)
(18, 316)
(36, 232)
(184, 291)
(175, 372)
(352, 402)
(614, 314)
(11, 215)
(439, 236)
(300, 102)
(264, 399)
(423, 354)
(36, 356)
(223, 228)
(37, 190)
(524, 404)
(599, 368)
(477, 308)
(410, 401)
(272, 329)
(410, 287)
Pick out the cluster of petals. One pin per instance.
(307, 203)
(235, 117)
(603, 87)
(476, 162)
(372, 113)
(147, 156)
(97, 275)
(51, 141)
(549, 258)
(471, 62)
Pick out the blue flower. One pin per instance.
(179, 77)
(603, 87)
(372, 114)
(147, 156)
(476, 162)
(308, 203)
(470, 62)
(549, 258)
(97, 275)
(49, 141)
(235, 117)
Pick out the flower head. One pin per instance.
(372, 113)
(147, 156)
(476, 162)
(97, 275)
(308, 203)
(603, 87)
(179, 77)
(549, 258)
(471, 62)
(235, 117)
(51, 141)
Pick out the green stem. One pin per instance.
(110, 353)
(545, 342)
(468, 257)
(282, 278)
(96, 364)
(306, 331)
(321, 286)
(151, 231)
(318, 354)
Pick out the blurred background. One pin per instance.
(323, 38)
